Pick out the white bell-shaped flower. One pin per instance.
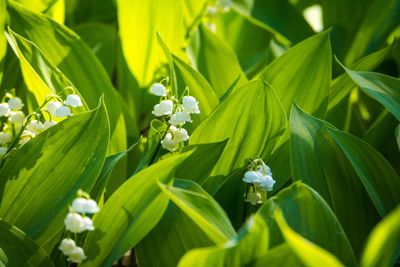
(16, 117)
(5, 138)
(75, 223)
(4, 109)
(179, 118)
(83, 205)
(52, 106)
(88, 224)
(164, 108)
(91, 207)
(77, 255)
(73, 100)
(3, 151)
(26, 136)
(266, 182)
(48, 124)
(190, 105)
(35, 126)
(180, 134)
(15, 103)
(254, 198)
(158, 89)
(251, 177)
(62, 111)
(67, 245)
(264, 169)
(169, 143)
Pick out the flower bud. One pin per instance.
(168, 142)
(190, 105)
(180, 135)
(251, 177)
(73, 100)
(52, 106)
(4, 109)
(35, 126)
(179, 118)
(75, 223)
(266, 182)
(164, 108)
(67, 246)
(83, 205)
(16, 117)
(77, 255)
(15, 103)
(48, 124)
(158, 89)
(254, 198)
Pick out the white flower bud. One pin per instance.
(5, 138)
(15, 103)
(73, 100)
(211, 26)
(169, 143)
(16, 117)
(180, 135)
(190, 105)
(35, 126)
(88, 224)
(179, 118)
(4, 110)
(48, 124)
(52, 106)
(67, 246)
(164, 108)
(62, 111)
(158, 89)
(75, 223)
(3, 151)
(77, 255)
(254, 198)
(83, 205)
(251, 177)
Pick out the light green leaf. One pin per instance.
(201, 208)
(130, 213)
(55, 164)
(20, 249)
(309, 215)
(139, 21)
(250, 244)
(383, 88)
(279, 256)
(383, 242)
(65, 50)
(53, 8)
(216, 61)
(308, 252)
(397, 133)
(3, 41)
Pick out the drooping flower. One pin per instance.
(169, 143)
(75, 223)
(158, 89)
(179, 134)
(190, 105)
(35, 126)
(251, 177)
(254, 198)
(5, 138)
(73, 100)
(77, 255)
(3, 150)
(179, 118)
(15, 103)
(26, 136)
(52, 106)
(16, 117)
(4, 109)
(164, 108)
(48, 124)
(83, 205)
(62, 111)
(67, 246)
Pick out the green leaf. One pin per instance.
(383, 242)
(397, 133)
(306, 77)
(201, 208)
(42, 177)
(3, 40)
(309, 215)
(20, 249)
(268, 14)
(308, 252)
(216, 61)
(139, 21)
(250, 244)
(281, 255)
(130, 213)
(70, 54)
(382, 88)
(343, 169)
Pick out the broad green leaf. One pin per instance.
(303, 74)
(250, 244)
(192, 10)
(216, 61)
(139, 21)
(342, 85)
(269, 14)
(130, 213)
(380, 19)
(383, 242)
(80, 12)
(101, 38)
(53, 8)
(42, 177)
(176, 233)
(343, 169)
(201, 208)
(3, 41)
(383, 88)
(70, 54)
(308, 252)
(20, 249)
(198, 87)
(397, 133)
(279, 256)
(309, 215)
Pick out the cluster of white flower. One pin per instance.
(259, 176)
(77, 222)
(213, 10)
(177, 112)
(14, 124)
